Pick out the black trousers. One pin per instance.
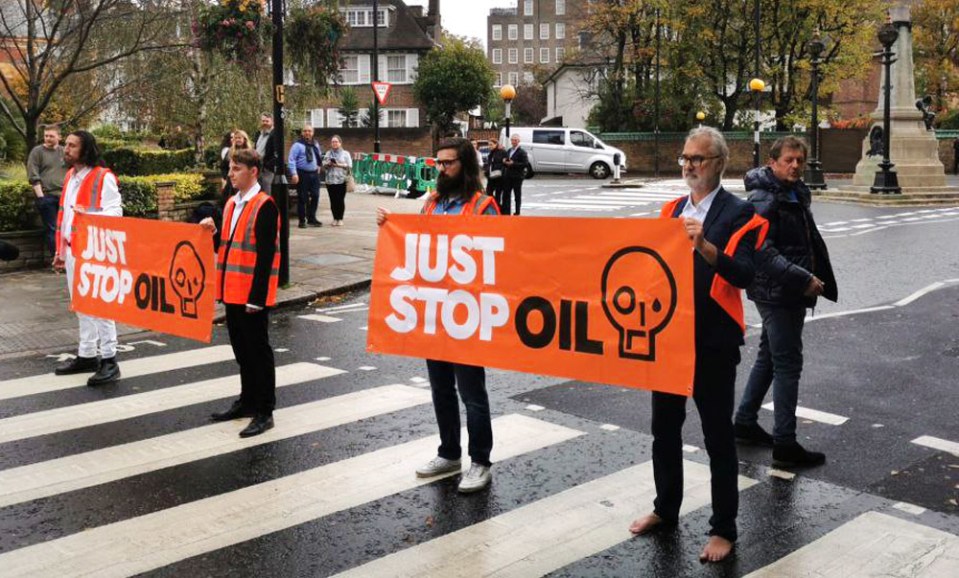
(494, 188)
(445, 379)
(307, 196)
(512, 187)
(337, 200)
(714, 393)
(250, 338)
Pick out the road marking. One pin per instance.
(690, 449)
(161, 538)
(49, 382)
(781, 474)
(814, 415)
(548, 534)
(821, 316)
(359, 305)
(135, 405)
(919, 293)
(96, 467)
(320, 318)
(938, 444)
(534, 407)
(591, 208)
(609, 427)
(909, 508)
(587, 201)
(872, 544)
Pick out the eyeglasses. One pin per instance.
(447, 163)
(694, 161)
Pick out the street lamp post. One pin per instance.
(887, 181)
(507, 93)
(376, 76)
(280, 192)
(814, 177)
(700, 117)
(756, 85)
(657, 99)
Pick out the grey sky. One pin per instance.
(466, 17)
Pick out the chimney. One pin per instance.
(434, 13)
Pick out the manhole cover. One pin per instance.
(329, 259)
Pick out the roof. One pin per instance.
(569, 66)
(406, 31)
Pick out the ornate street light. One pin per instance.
(814, 177)
(700, 116)
(279, 189)
(507, 93)
(757, 86)
(887, 181)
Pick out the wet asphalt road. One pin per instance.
(891, 373)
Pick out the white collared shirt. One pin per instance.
(700, 211)
(240, 200)
(110, 202)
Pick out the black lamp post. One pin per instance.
(887, 181)
(814, 177)
(507, 93)
(279, 191)
(658, 96)
(756, 85)
(376, 76)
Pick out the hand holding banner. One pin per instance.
(604, 300)
(151, 274)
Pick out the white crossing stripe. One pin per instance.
(542, 206)
(161, 538)
(49, 382)
(872, 544)
(938, 444)
(135, 405)
(548, 534)
(96, 467)
(587, 201)
(814, 415)
(320, 318)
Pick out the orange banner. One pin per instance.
(151, 274)
(603, 300)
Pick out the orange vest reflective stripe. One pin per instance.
(728, 297)
(235, 267)
(477, 205)
(89, 196)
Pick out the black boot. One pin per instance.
(78, 365)
(753, 435)
(108, 373)
(793, 455)
(259, 424)
(236, 410)
(302, 224)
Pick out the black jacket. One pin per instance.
(794, 250)
(494, 161)
(520, 160)
(269, 155)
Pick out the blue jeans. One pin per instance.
(48, 206)
(778, 363)
(445, 379)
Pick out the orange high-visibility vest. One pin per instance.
(728, 297)
(235, 267)
(89, 196)
(477, 205)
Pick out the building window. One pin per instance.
(363, 18)
(395, 118)
(396, 68)
(544, 31)
(497, 32)
(544, 55)
(560, 54)
(560, 31)
(527, 31)
(497, 56)
(514, 78)
(513, 55)
(527, 56)
(499, 79)
(560, 7)
(513, 31)
(527, 78)
(350, 70)
(527, 7)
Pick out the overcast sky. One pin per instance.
(465, 17)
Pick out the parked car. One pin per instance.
(566, 150)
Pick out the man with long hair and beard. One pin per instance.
(458, 192)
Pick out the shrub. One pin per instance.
(140, 162)
(948, 120)
(16, 206)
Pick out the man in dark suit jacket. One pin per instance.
(712, 217)
(266, 148)
(515, 165)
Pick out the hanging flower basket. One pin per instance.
(237, 29)
(312, 42)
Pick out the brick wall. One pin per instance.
(32, 253)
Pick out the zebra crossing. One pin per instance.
(313, 496)
(592, 199)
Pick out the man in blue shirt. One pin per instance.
(303, 166)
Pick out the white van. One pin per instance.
(565, 150)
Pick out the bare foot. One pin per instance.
(645, 524)
(716, 550)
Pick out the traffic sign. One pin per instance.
(382, 90)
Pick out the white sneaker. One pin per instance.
(438, 466)
(477, 478)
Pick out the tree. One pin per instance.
(452, 79)
(936, 28)
(529, 106)
(349, 107)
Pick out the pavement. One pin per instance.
(323, 261)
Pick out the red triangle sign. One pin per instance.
(382, 90)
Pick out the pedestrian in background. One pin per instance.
(792, 271)
(267, 151)
(723, 234)
(92, 188)
(303, 167)
(515, 162)
(494, 171)
(247, 268)
(955, 156)
(338, 163)
(46, 170)
(458, 192)
(239, 140)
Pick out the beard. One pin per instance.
(448, 186)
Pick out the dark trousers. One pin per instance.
(48, 206)
(778, 363)
(307, 196)
(445, 379)
(250, 338)
(512, 187)
(494, 188)
(713, 393)
(337, 200)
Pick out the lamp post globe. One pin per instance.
(507, 93)
(814, 177)
(756, 85)
(887, 181)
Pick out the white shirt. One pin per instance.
(700, 211)
(241, 199)
(110, 202)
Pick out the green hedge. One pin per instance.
(17, 212)
(139, 162)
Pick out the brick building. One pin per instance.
(404, 35)
(535, 36)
